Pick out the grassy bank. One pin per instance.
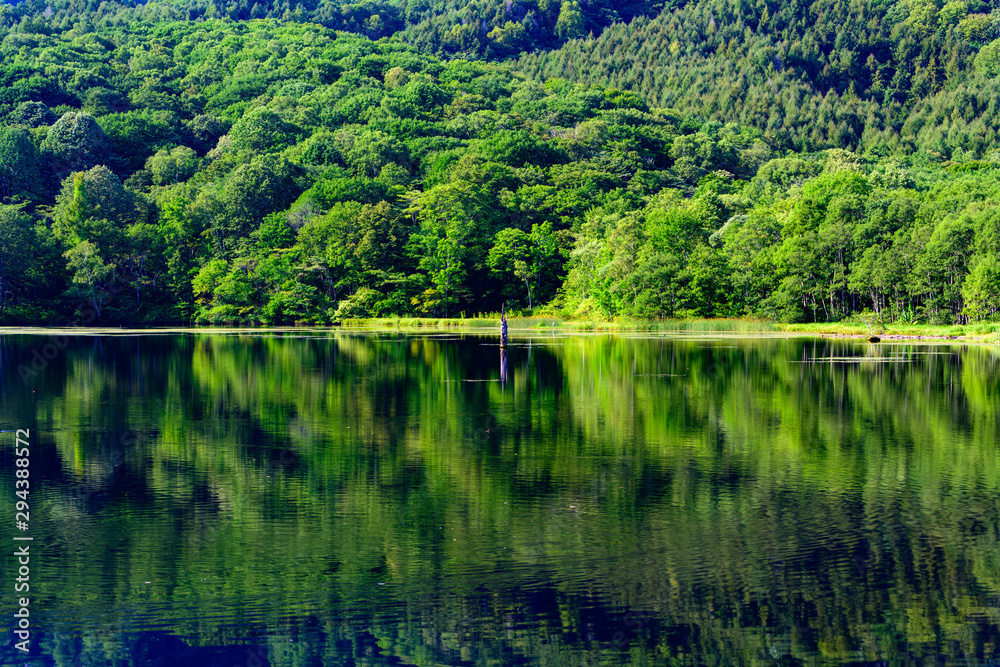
(986, 331)
(492, 321)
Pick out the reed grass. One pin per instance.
(492, 320)
(985, 331)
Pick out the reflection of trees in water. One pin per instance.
(672, 500)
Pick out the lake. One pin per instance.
(311, 497)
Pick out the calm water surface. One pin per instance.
(312, 498)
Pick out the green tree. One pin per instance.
(137, 134)
(527, 257)
(75, 142)
(142, 263)
(988, 60)
(510, 255)
(456, 220)
(173, 166)
(570, 23)
(981, 289)
(186, 247)
(17, 253)
(206, 130)
(32, 114)
(368, 152)
(19, 167)
(941, 268)
(91, 273)
(249, 193)
(94, 206)
(261, 130)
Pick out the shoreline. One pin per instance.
(891, 337)
(981, 333)
(984, 332)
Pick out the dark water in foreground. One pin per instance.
(317, 498)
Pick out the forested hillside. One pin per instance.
(483, 28)
(866, 75)
(158, 166)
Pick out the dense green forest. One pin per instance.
(190, 162)
(483, 28)
(880, 78)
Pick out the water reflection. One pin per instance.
(317, 498)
